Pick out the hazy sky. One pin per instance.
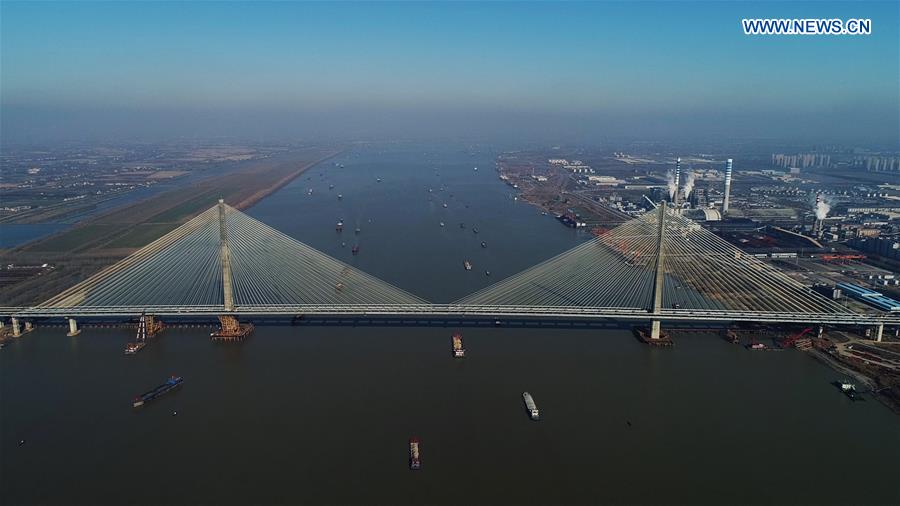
(77, 69)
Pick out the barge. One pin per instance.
(414, 461)
(171, 384)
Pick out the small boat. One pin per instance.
(483, 244)
(340, 196)
(462, 225)
(442, 223)
(476, 169)
(355, 249)
(531, 406)
(309, 192)
(544, 213)
(378, 180)
(487, 273)
(132, 348)
(467, 265)
(414, 462)
(339, 226)
(475, 229)
(343, 244)
(331, 187)
(357, 230)
(445, 205)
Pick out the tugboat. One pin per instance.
(414, 462)
(467, 265)
(531, 406)
(355, 249)
(458, 350)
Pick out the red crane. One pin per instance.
(789, 341)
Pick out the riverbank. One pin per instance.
(76, 253)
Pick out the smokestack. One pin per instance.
(727, 186)
(677, 181)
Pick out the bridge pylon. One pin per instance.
(73, 328)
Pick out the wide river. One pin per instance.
(322, 415)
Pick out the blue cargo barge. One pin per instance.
(171, 384)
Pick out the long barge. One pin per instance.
(171, 384)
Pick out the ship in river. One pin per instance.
(848, 389)
(467, 265)
(531, 406)
(414, 462)
(458, 350)
(171, 384)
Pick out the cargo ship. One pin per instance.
(531, 406)
(414, 462)
(848, 389)
(171, 384)
(467, 265)
(458, 350)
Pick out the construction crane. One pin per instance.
(792, 339)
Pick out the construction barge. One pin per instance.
(171, 384)
(458, 350)
(414, 461)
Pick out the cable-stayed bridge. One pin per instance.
(658, 267)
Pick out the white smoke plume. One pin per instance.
(688, 184)
(670, 182)
(822, 208)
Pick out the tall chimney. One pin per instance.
(727, 186)
(677, 181)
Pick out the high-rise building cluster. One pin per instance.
(801, 160)
(878, 163)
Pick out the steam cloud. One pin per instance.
(688, 184)
(670, 182)
(822, 208)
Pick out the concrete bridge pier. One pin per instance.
(73, 328)
(655, 328)
(16, 328)
(879, 332)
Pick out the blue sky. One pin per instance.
(646, 61)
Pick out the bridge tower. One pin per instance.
(229, 327)
(660, 277)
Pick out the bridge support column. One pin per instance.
(879, 332)
(2, 323)
(16, 329)
(29, 326)
(73, 328)
(655, 329)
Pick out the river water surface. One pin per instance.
(322, 415)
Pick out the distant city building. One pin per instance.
(801, 160)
